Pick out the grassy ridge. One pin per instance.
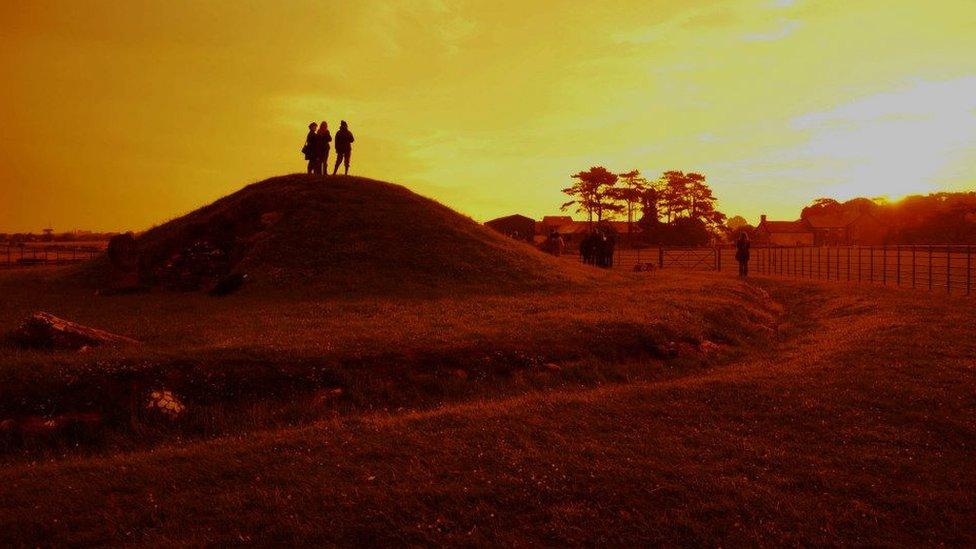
(854, 428)
(248, 362)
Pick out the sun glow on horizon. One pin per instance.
(119, 115)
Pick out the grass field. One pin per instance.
(829, 415)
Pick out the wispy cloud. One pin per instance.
(785, 29)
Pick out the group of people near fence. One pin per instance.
(317, 145)
(597, 247)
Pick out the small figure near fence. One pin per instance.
(742, 254)
(597, 247)
(554, 244)
(587, 249)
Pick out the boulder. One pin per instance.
(46, 331)
(228, 284)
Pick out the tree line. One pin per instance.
(676, 208)
(935, 218)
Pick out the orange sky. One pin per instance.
(118, 115)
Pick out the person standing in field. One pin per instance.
(742, 254)
(322, 140)
(310, 150)
(343, 147)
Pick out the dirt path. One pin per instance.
(858, 427)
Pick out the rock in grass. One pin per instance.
(708, 347)
(45, 331)
(228, 284)
(166, 404)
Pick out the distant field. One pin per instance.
(829, 415)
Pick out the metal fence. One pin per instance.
(948, 268)
(938, 268)
(641, 258)
(30, 254)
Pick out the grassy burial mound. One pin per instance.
(337, 235)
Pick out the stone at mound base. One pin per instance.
(46, 331)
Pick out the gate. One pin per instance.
(663, 257)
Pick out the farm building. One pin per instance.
(516, 226)
(849, 229)
(784, 233)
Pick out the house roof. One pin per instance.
(572, 227)
(797, 226)
(556, 219)
(514, 217)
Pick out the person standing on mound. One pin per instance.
(310, 150)
(322, 140)
(343, 147)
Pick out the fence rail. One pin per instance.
(27, 254)
(938, 268)
(661, 257)
(947, 268)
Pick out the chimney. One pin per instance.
(762, 218)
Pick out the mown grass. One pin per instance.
(855, 426)
(249, 362)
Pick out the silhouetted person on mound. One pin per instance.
(742, 254)
(311, 150)
(322, 140)
(343, 146)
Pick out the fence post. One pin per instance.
(871, 266)
(948, 269)
(969, 268)
(884, 265)
(930, 268)
(913, 265)
(897, 265)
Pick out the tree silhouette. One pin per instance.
(822, 206)
(630, 193)
(674, 194)
(593, 192)
(688, 206)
